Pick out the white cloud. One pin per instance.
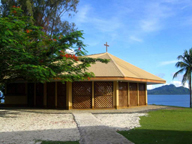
(176, 83)
(168, 62)
(133, 38)
(179, 83)
(70, 51)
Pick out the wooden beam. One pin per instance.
(69, 95)
(34, 94)
(117, 94)
(45, 95)
(26, 91)
(55, 94)
(146, 94)
(5, 89)
(128, 91)
(114, 95)
(138, 94)
(93, 93)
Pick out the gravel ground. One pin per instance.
(120, 121)
(94, 132)
(25, 127)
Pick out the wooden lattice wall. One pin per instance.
(103, 94)
(123, 94)
(39, 94)
(81, 95)
(50, 94)
(133, 94)
(142, 94)
(16, 89)
(61, 95)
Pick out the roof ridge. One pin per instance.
(116, 64)
(95, 54)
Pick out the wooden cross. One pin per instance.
(106, 46)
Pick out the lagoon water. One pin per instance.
(169, 100)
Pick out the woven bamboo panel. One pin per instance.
(16, 89)
(82, 95)
(11, 89)
(123, 94)
(30, 94)
(142, 94)
(51, 94)
(133, 94)
(39, 94)
(103, 92)
(61, 95)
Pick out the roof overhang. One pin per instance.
(148, 81)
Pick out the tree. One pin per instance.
(185, 66)
(46, 13)
(28, 53)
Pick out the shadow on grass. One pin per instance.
(146, 136)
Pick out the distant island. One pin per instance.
(169, 90)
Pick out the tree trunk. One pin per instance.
(190, 92)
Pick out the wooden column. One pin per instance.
(117, 94)
(5, 89)
(26, 91)
(146, 93)
(128, 95)
(45, 95)
(92, 94)
(55, 94)
(69, 95)
(138, 94)
(114, 95)
(34, 94)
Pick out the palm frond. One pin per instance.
(178, 72)
(181, 64)
(186, 76)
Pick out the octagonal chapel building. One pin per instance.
(117, 84)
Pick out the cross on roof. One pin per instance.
(106, 46)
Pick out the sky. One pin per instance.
(148, 34)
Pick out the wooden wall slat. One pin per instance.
(50, 94)
(103, 94)
(123, 94)
(133, 94)
(142, 94)
(39, 94)
(61, 95)
(81, 95)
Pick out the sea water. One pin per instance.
(170, 100)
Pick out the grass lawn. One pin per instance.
(58, 142)
(163, 127)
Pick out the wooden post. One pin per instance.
(26, 91)
(5, 89)
(93, 93)
(34, 94)
(69, 95)
(146, 93)
(128, 91)
(55, 94)
(45, 95)
(138, 93)
(117, 94)
(114, 95)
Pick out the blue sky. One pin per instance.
(148, 34)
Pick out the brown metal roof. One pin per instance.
(118, 69)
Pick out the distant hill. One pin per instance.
(168, 90)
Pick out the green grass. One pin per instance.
(163, 127)
(59, 142)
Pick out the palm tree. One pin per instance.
(185, 65)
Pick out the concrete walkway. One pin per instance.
(93, 132)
